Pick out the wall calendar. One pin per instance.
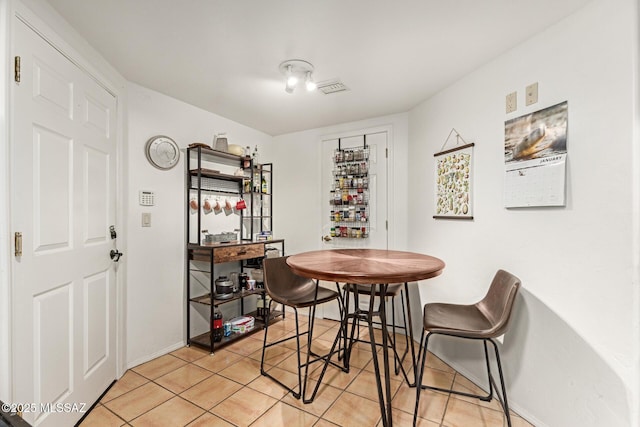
(535, 152)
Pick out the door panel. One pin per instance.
(63, 202)
(95, 206)
(52, 170)
(53, 344)
(96, 321)
(51, 89)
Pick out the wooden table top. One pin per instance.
(365, 266)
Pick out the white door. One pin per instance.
(376, 143)
(63, 200)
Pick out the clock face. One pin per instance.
(162, 152)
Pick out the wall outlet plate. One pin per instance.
(532, 94)
(511, 102)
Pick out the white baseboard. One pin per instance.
(144, 359)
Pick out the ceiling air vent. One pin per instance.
(331, 86)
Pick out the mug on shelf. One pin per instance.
(193, 203)
(207, 205)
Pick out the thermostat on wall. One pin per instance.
(147, 198)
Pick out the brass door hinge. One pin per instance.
(18, 243)
(16, 64)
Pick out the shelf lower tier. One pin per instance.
(206, 299)
(204, 340)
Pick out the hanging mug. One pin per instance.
(207, 205)
(241, 205)
(193, 203)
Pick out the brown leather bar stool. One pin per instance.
(484, 320)
(393, 290)
(287, 288)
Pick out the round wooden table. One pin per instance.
(370, 267)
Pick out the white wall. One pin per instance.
(297, 181)
(155, 255)
(572, 355)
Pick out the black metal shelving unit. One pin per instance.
(204, 178)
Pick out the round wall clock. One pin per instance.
(162, 152)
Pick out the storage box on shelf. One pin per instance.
(217, 201)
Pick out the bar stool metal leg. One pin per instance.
(502, 397)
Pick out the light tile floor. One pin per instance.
(190, 387)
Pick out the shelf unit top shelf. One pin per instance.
(209, 173)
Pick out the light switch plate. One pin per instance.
(146, 219)
(511, 102)
(532, 94)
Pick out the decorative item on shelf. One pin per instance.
(263, 185)
(256, 157)
(247, 157)
(220, 142)
(264, 236)
(256, 179)
(236, 149)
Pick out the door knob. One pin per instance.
(115, 255)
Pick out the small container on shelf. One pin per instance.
(217, 328)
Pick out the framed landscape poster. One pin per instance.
(453, 183)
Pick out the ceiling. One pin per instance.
(223, 55)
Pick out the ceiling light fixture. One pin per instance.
(309, 83)
(296, 70)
